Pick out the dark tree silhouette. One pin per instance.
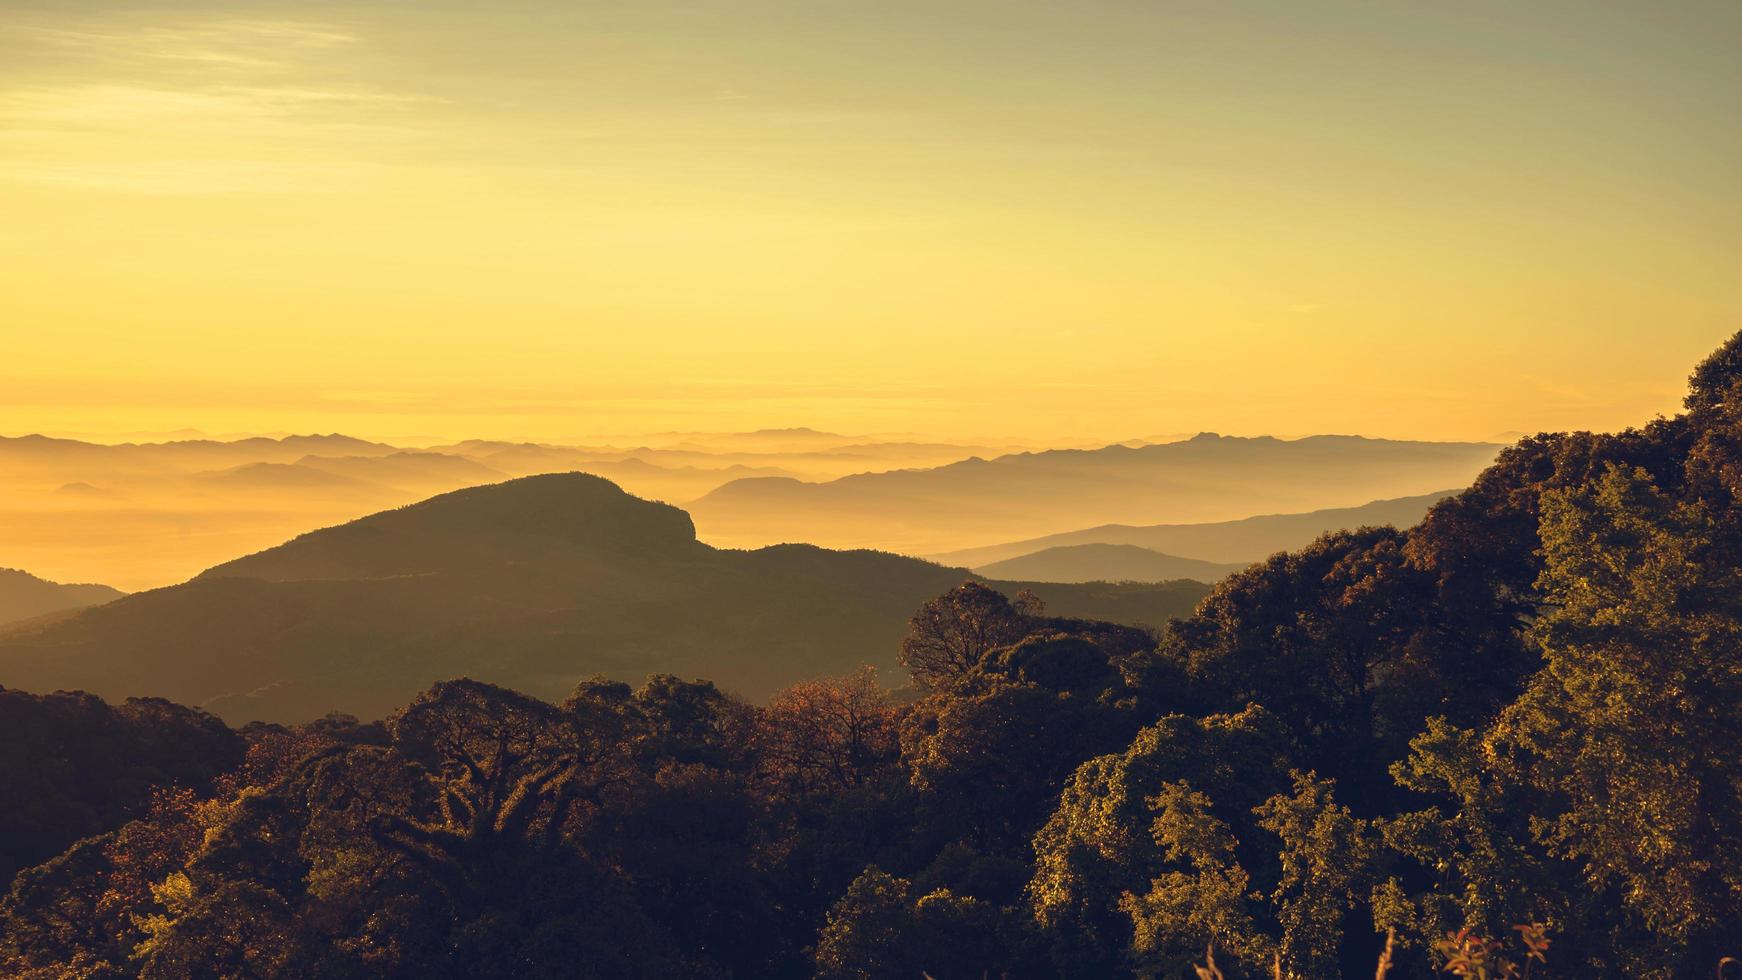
(951, 634)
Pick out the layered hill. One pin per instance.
(24, 596)
(145, 514)
(1206, 478)
(1106, 563)
(535, 583)
(1238, 542)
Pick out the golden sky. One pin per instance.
(1042, 219)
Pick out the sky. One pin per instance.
(1046, 220)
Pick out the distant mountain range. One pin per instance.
(535, 583)
(190, 454)
(1106, 563)
(1206, 478)
(140, 515)
(150, 513)
(1239, 543)
(23, 596)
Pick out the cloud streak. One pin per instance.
(243, 45)
(221, 107)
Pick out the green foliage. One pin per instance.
(1476, 847)
(1203, 901)
(1326, 853)
(1714, 381)
(881, 928)
(1628, 734)
(1130, 820)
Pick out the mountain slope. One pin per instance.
(1106, 563)
(24, 596)
(535, 583)
(1206, 478)
(1239, 542)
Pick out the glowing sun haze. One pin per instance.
(545, 219)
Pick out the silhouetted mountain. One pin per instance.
(24, 596)
(149, 513)
(537, 582)
(1238, 542)
(1206, 478)
(1106, 563)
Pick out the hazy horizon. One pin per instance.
(146, 513)
(1643, 396)
(656, 439)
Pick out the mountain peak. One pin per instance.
(576, 507)
(574, 513)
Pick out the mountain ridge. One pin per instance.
(25, 597)
(1103, 562)
(538, 582)
(1208, 478)
(1245, 540)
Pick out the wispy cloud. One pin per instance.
(122, 105)
(245, 45)
(215, 107)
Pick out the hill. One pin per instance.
(1239, 542)
(1206, 478)
(536, 583)
(24, 596)
(1106, 563)
(146, 514)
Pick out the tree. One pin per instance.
(987, 763)
(950, 635)
(1323, 639)
(51, 916)
(879, 929)
(1028, 604)
(828, 735)
(1628, 734)
(1713, 383)
(1201, 900)
(988, 754)
(690, 721)
(1326, 871)
(72, 766)
(1118, 828)
(866, 936)
(232, 911)
(507, 770)
(1475, 864)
